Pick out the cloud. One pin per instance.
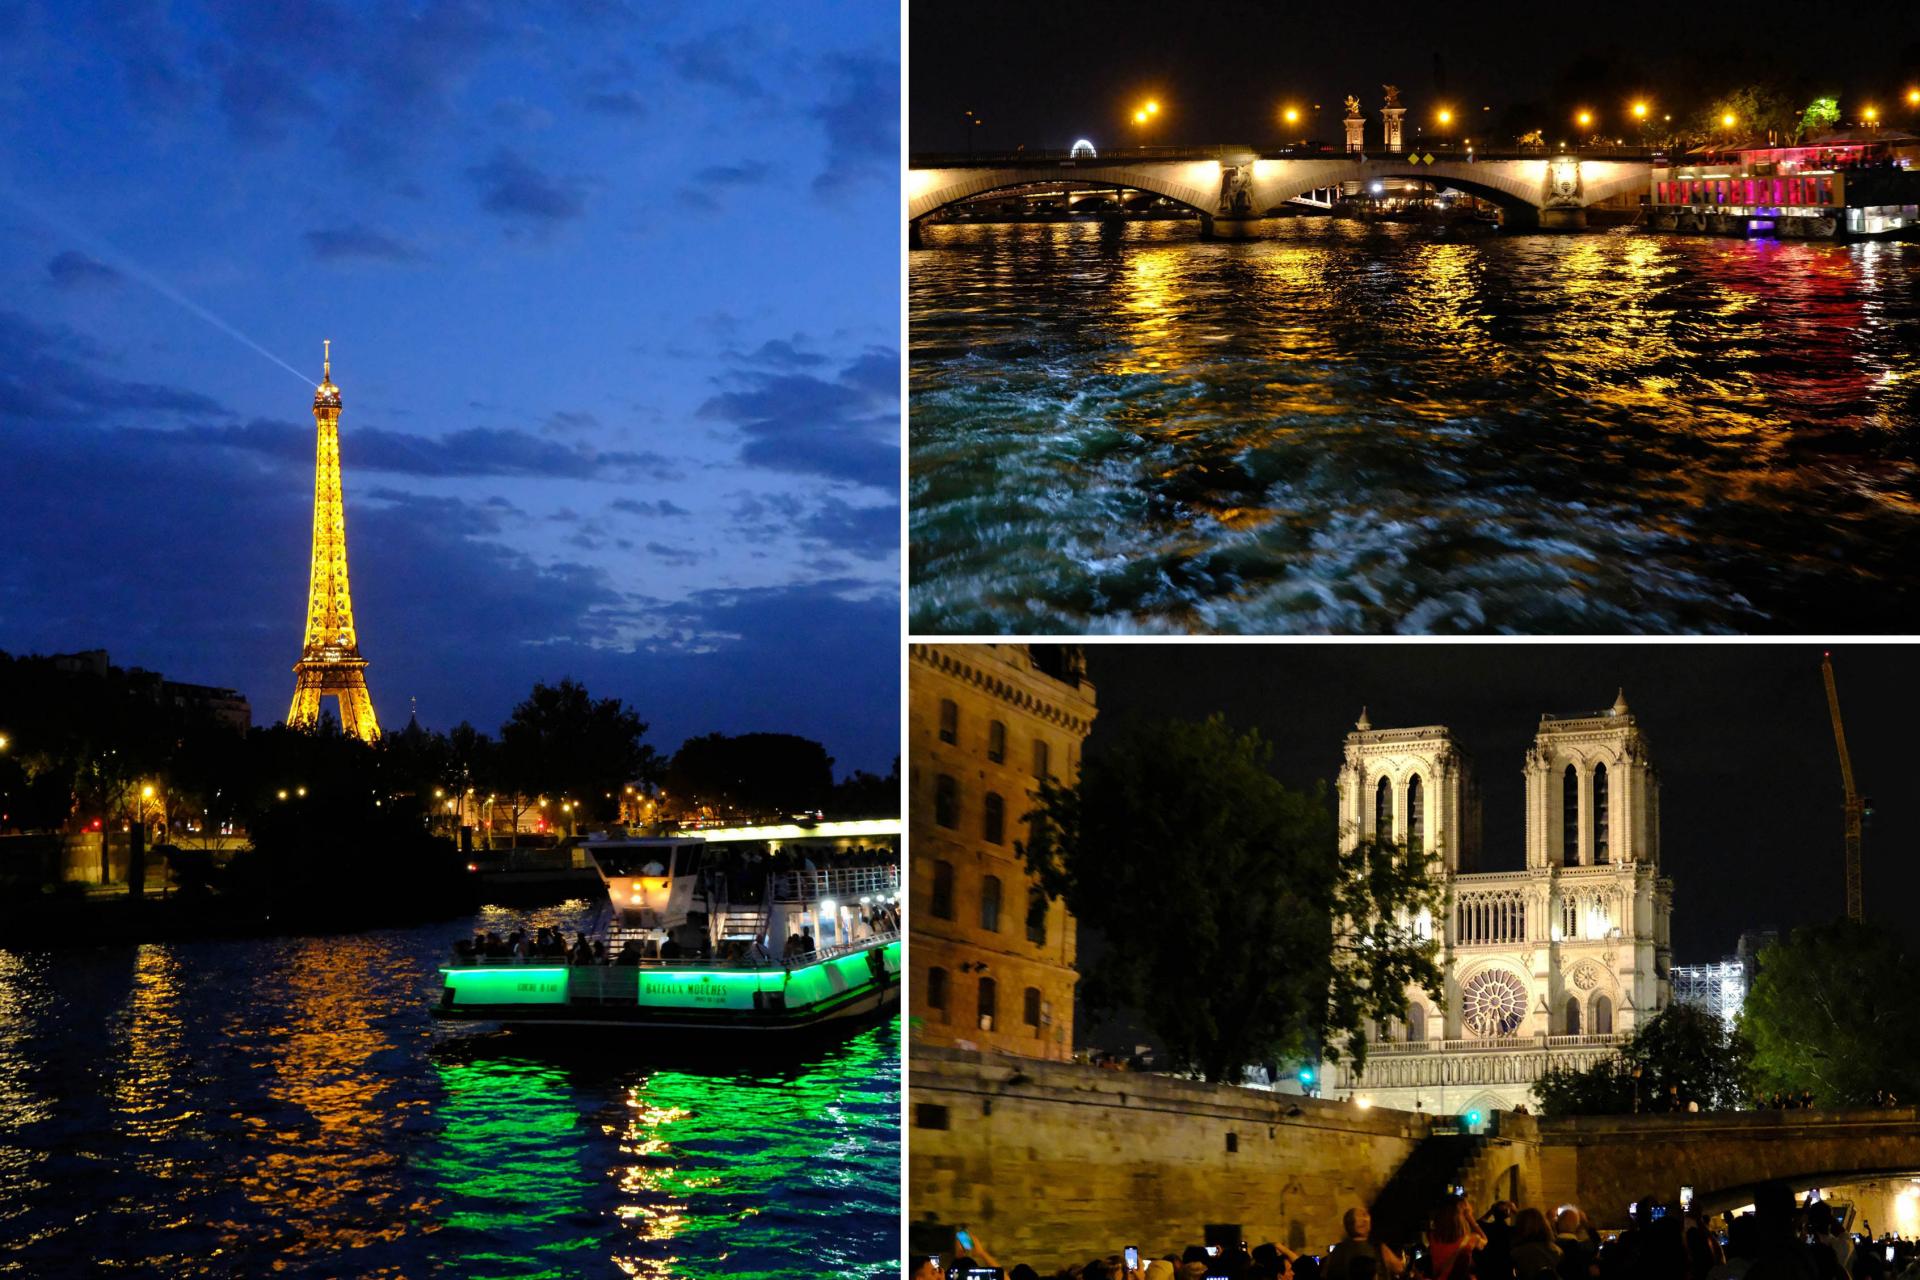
(563, 421)
(861, 117)
(846, 429)
(41, 380)
(661, 507)
(262, 101)
(332, 244)
(733, 175)
(474, 451)
(715, 59)
(515, 190)
(872, 533)
(618, 102)
(779, 353)
(677, 556)
(72, 269)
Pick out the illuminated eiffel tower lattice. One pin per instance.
(330, 663)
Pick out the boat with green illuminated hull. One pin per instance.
(740, 931)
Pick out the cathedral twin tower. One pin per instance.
(1553, 964)
(330, 664)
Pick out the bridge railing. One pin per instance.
(1111, 155)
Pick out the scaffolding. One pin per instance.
(1720, 989)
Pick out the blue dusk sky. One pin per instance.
(613, 295)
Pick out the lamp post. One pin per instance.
(1144, 116)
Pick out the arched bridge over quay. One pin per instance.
(1604, 1163)
(1230, 187)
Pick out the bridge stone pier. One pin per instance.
(1233, 189)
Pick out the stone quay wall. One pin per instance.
(1055, 1163)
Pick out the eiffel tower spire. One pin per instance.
(330, 663)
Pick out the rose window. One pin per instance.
(1495, 1002)
(1586, 977)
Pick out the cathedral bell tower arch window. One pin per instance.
(1600, 854)
(1416, 818)
(1383, 810)
(1602, 1020)
(1570, 817)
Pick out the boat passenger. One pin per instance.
(582, 951)
(599, 951)
(629, 953)
(670, 950)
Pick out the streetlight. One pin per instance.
(1291, 115)
(1584, 119)
(1871, 115)
(1639, 111)
(1913, 97)
(1728, 120)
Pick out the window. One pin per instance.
(942, 904)
(997, 742)
(1037, 917)
(937, 992)
(1383, 810)
(949, 721)
(1417, 1022)
(1416, 817)
(1042, 769)
(1573, 1015)
(929, 1115)
(993, 823)
(1570, 818)
(1031, 1015)
(946, 801)
(1602, 1016)
(1600, 813)
(990, 904)
(989, 993)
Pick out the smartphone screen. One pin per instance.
(1133, 1257)
(1213, 1251)
(1889, 1253)
(966, 1241)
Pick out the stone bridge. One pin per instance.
(1229, 188)
(1609, 1161)
(1053, 1162)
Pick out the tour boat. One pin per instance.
(731, 930)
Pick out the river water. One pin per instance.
(1341, 428)
(286, 1106)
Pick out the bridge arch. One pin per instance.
(1194, 184)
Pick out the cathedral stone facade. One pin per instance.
(1554, 964)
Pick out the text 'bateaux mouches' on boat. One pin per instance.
(757, 929)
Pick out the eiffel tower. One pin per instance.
(330, 663)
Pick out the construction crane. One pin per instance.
(1854, 806)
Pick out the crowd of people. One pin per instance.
(1778, 1240)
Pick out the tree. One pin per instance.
(1757, 110)
(750, 773)
(1830, 1013)
(1682, 1052)
(1821, 116)
(1237, 927)
(561, 742)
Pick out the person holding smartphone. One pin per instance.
(967, 1244)
(1358, 1225)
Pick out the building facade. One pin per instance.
(991, 959)
(1551, 965)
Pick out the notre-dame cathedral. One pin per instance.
(1554, 964)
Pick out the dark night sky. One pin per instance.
(612, 288)
(1750, 783)
(1046, 74)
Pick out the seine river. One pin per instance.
(285, 1106)
(1349, 429)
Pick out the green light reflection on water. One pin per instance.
(548, 1171)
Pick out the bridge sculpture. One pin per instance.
(1231, 188)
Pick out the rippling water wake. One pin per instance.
(1352, 429)
(285, 1106)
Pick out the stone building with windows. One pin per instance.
(991, 960)
(1553, 964)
